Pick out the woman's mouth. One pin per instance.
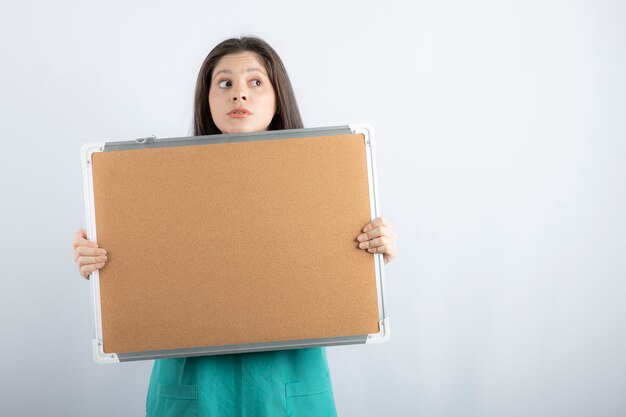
(239, 113)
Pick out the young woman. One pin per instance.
(243, 87)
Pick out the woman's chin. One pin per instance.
(236, 128)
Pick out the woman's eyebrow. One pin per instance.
(256, 69)
(226, 71)
(222, 71)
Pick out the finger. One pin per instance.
(88, 251)
(378, 249)
(81, 240)
(380, 221)
(390, 252)
(388, 258)
(88, 260)
(379, 241)
(80, 234)
(86, 270)
(376, 232)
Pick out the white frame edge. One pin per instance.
(87, 150)
(99, 356)
(368, 131)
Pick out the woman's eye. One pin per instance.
(225, 84)
(256, 83)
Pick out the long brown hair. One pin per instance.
(287, 114)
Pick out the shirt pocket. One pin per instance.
(310, 398)
(175, 400)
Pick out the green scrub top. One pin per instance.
(293, 383)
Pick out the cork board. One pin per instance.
(233, 243)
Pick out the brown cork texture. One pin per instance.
(234, 243)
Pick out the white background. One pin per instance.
(501, 146)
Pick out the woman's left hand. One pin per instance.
(378, 237)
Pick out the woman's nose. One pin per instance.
(240, 96)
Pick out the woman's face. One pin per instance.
(241, 96)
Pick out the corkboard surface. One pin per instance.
(233, 243)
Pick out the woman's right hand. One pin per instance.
(87, 254)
